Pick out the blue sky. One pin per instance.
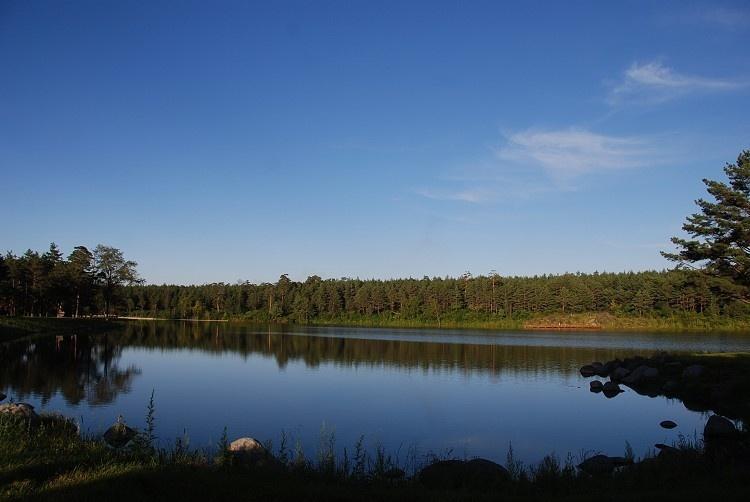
(217, 141)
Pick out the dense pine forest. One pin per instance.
(104, 282)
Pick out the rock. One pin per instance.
(633, 362)
(19, 410)
(443, 474)
(485, 473)
(611, 389)
(667, 424)
(673, 368)
(249, 451)
(476, 473)
(671, 386)
(119, 434)
(693, 371)
(596, 386)
(587, 371)
(610, 366)
(641, 375)
(2, 396)
(719, 427)
(619, 373)
(602, 464)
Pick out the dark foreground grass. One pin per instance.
(52, 462)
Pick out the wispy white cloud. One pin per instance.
(732, 18)
(473, 195)
(727, 17)
(572, 152)
(534, 162)
(653, 83)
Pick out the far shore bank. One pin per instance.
(19, 327)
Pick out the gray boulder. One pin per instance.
(596, 386)
(249, 451)
(599, 465)
(476, 473)
(119, 434)
(19, 410)
(693, 371)
(719, 427)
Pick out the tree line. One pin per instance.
(48, 284)
(484, 297)
(712, 278)
(103, 282)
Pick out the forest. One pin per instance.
(103, 282)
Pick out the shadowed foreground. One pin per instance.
(50, 461)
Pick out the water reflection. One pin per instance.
(80, 368)
(476, 391)
(87, 368)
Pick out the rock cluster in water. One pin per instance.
(699, 387)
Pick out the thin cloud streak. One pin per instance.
(533, 162)
(655, 83)
(475, 196)
(572, 152)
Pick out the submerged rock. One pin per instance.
(596, 386)
(19, 410)
(667, 424)
(602, 464)
(119, 434)
(719, 427)
(476, 473)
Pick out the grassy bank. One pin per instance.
(20, 327)
(579, 321)
(51, 462)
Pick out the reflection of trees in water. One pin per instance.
(79, 368)
(314, 350)
(85, 368)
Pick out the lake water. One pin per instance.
(472, 392)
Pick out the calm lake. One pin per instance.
(472, 392)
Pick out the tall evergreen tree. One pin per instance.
(720, 243)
